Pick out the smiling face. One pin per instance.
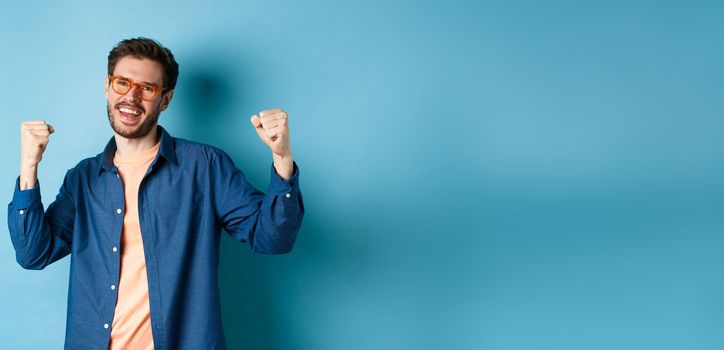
(131, 116)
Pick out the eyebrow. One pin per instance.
(143, 82)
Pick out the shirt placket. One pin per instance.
(117, 200)
(152, 273)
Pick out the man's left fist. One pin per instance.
(271, 125)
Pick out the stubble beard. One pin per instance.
(140, 131)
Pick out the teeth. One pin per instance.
(129, 111)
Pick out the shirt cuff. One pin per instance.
(26, 198)
(280, 186)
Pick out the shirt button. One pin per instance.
(118, 210)
(118, 176)
(288, 195)
(105, 326)
(113, 287)
(115, 249)
(22, 212)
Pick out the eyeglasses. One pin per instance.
(123, 85)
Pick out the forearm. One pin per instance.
(284, 165)
(39, 236)
(280, 215)
(278, 223)
(28, 176)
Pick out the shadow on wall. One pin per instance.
(253, 310)
(245, 290)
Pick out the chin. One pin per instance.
(140, 129)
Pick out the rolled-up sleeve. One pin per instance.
(268, 222)
(40, 237)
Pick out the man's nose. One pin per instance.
(134, 93)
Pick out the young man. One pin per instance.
(142, 219)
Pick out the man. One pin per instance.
(142, 219)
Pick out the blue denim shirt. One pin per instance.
(190, 192)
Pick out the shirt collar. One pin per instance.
(167, 150)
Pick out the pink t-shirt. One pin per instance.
(132, 319)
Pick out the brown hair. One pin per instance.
(146, 48)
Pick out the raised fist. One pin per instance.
(34, 139)
(271, 126)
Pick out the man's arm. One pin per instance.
(39, 237)
(268, 222)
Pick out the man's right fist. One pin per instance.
(34, 138)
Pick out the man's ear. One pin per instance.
(105, 89)
(166, 99)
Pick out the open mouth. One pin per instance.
(129, 113)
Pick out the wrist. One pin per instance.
(284, 165)
(28, 168)
(282, 157)
(28, 176)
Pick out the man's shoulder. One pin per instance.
(187, 150)
(87, 165)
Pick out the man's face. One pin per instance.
(130, 115)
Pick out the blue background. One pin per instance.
(477, 175)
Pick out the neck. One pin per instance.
(129, 147)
